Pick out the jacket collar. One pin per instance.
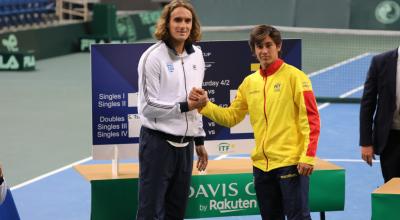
(188, 47)
(272, 68)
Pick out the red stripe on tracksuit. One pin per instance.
(313, 121)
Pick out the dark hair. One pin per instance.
(162, 33)
(258, 34)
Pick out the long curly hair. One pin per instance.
(162, 32)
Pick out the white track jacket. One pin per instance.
(165, 81)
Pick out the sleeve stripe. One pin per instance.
(145, 92)
(313, 121)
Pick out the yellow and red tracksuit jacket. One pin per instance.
(283, 113)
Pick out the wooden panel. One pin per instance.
(103, 171)
(71, 8)
(391, 187)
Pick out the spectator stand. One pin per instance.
(20, 13)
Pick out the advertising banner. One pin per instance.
(375, 14)
(220, 195)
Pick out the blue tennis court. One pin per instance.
(64, 194)
(344, 79)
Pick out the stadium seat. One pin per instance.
(26, 12)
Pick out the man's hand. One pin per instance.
(202, 160)
(198, 98)
(367, 154)
(196, 93)
(305, 169)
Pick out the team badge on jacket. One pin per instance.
(277, 87)
(170, 67)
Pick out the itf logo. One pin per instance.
(387, 12)
(225, 147)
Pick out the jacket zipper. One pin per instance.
(184, 77)
(265, 115)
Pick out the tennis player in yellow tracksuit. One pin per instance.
(285, 120)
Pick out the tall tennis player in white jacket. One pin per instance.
(171, 125)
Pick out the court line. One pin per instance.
(351, 92)
(338, 65)
(50, 173)
(350, 160)
(220, 157)
(326, 159)
(324, 105)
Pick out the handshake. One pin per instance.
(198, 98)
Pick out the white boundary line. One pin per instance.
(351, 160)
(326, 159)
(50, 173)
(324, 105)
(221, 157)
(351, 92)
(338, 65)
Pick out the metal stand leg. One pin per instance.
(322, 215)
